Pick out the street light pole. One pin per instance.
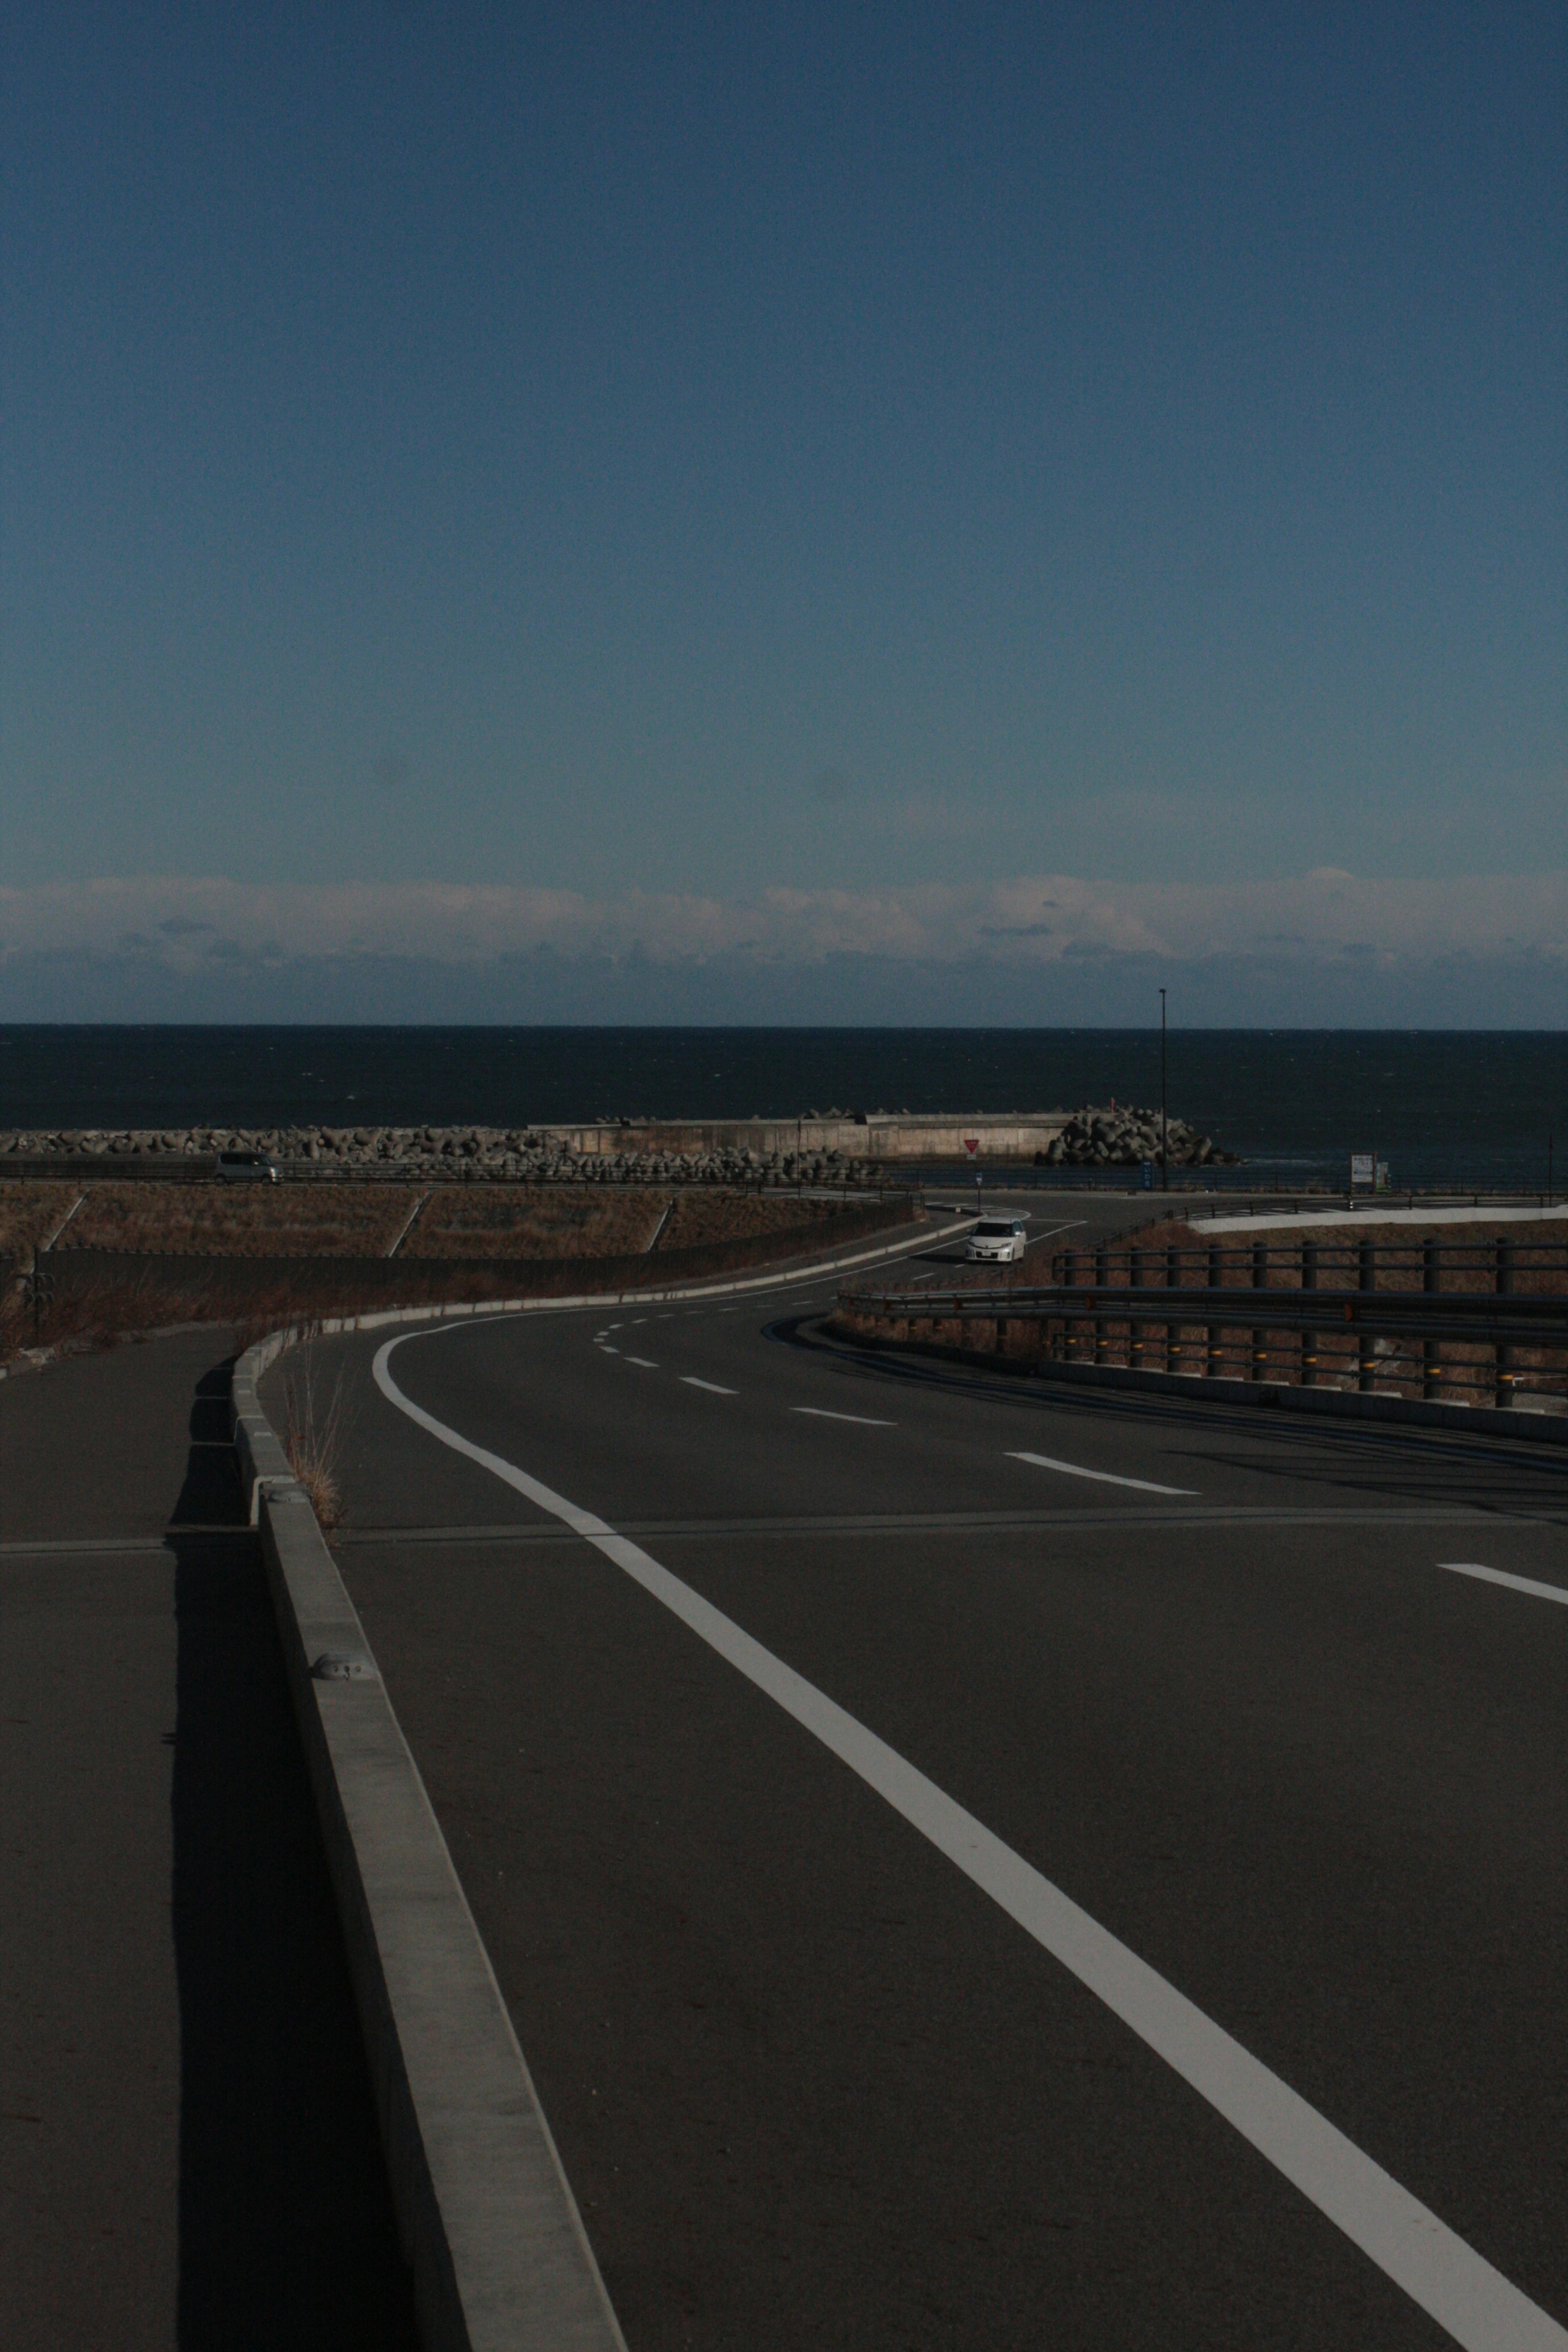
(1164, 1141)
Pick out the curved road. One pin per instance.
(977, 1864)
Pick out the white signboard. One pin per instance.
(1363, 1168)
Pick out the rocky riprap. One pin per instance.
(516, 1155)
(1124, 1138)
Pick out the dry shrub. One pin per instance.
(312, 1434)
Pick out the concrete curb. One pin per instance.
(1518, 1421)
(500, 2260)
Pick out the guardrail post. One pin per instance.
(1431, 1350)
(1505, 1377)
(1215, 1330)
(1259, 1338)
(1100, 1277)
(1135, 1330)
(1070, 1331)
(1366, 1362)
(1309, 1338)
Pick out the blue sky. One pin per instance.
(658, 455)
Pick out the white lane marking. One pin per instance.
(1500, 1576)
(646, 1361)
(1103, 1477)
(690, 1380)
(1458, 2288)
(861, 1419)
(606, 1349)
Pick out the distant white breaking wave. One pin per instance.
(186, 924)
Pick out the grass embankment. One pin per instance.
(364, 1220)
(241, 1221)
(479, 1223)
(29, 1214)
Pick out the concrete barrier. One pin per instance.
(488, 2224)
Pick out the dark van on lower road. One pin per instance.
(246, 1168)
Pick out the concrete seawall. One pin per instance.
(1012, 1136)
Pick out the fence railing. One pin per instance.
(1434, 1341)
(1498, 1267)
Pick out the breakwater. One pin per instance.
(814, 1148)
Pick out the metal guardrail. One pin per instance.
(1475, 1315)
(1335, 1332)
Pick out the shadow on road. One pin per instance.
(286, 2232)
(1489, 1471)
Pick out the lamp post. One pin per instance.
(1165, 1150)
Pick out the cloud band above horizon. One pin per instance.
(150, 948)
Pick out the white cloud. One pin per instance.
(1027, 923)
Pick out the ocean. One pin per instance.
(1466, 1109)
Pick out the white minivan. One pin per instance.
(997, 1238)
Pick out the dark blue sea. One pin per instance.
(1462, 1108)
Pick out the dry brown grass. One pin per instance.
(242, 1221)
(714, 1215)
(363, 1220)
(313, 1433)
(534, 1221)
(29, 1212)
(585, 1220)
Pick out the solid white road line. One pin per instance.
(861, 1419)
(646, 1361)
(1458, 2288)
(690, 1380)
(1515, 1583)
(1103, 1477)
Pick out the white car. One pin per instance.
(997, 1238)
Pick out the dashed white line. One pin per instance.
(861, 1419)
(1457, 2287)
(646, 1361)
(1500, 1576)
(606, 1349)
(690, 1380)
(1103, 1477)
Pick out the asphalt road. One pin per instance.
(786, 1914)
(189, 2154)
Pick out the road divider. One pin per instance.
(488, 2224)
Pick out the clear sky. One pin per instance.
(709, 453)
